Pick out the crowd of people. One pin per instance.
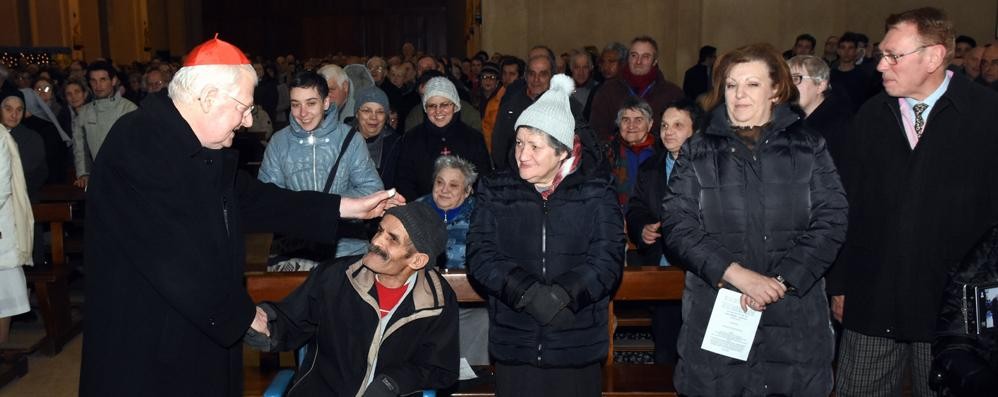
(796, 179)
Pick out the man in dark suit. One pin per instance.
(925, 149)
(696, 81)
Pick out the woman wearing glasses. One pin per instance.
(372, 114)
(440, 134)
(825, 110)
(755, 206)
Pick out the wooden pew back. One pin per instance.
(51, 283)
(647, 283)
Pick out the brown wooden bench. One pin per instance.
(647, 283)
(61, 193)
(51, 282)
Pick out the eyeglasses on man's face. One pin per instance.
(893, 59)
(247, 109)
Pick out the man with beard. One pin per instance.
(383, 324)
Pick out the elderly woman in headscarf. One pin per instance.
(631, 146)
(30, 144)
(371, 120)
(16, 222)
(40, 118)
(46, 91)
(547, 244)
(755, 206)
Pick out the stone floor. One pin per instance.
(57, 376)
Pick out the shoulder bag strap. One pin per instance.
(336, 165)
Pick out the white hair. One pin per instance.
(189, 81)
(333, 72)
(464, 166)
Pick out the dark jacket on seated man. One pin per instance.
(336, 312)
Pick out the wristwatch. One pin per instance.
(786, 285)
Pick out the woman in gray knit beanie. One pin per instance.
(546, 242)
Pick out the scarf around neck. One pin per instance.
(640, 85)
(567, 168)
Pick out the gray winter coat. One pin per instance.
(299, 160)
(90, 128)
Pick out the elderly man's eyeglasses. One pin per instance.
(44, 89)
(247, 109)
(893, 59)
(798, 78)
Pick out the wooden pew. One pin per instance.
(51, 283)
(61, 193)
(649, 283)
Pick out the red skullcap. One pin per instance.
(216, 52)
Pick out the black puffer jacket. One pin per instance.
(965, 363)
(574, 239)
(777, 210)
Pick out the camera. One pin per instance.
(980, 307)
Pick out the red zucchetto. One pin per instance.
(216, 52)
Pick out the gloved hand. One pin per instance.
(543, 302)
(382, 386)
(563, 319)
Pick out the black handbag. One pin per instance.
(288, 247)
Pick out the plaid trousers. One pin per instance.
(870, 366)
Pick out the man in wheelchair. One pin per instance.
(383, 324)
